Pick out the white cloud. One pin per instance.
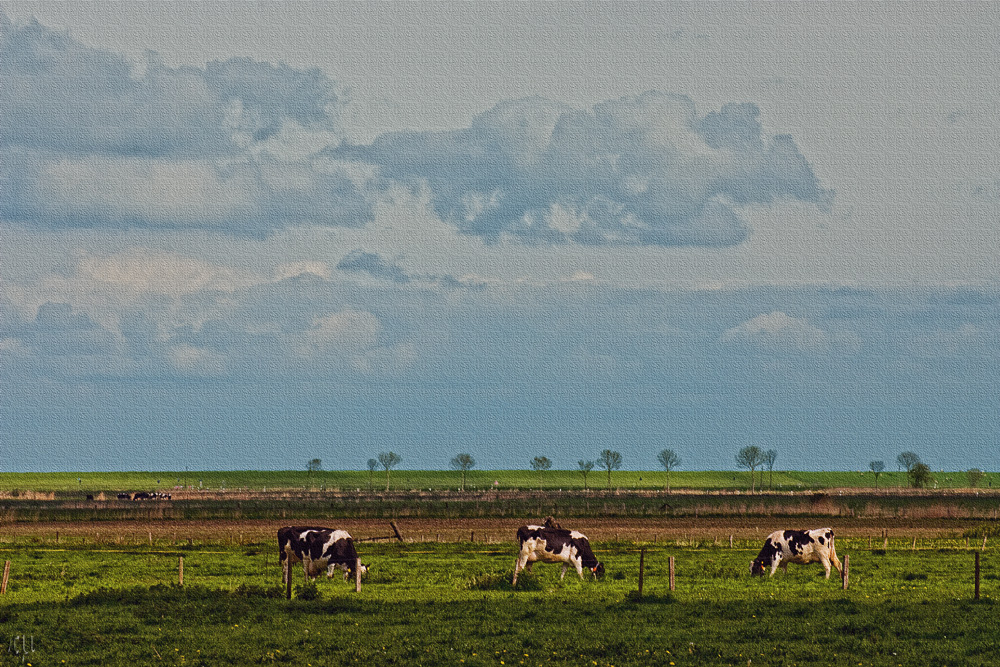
(778, 330)
(349, 331)
(199, 361)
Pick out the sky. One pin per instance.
(242, 236)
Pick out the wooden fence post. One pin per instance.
(180, 571)
(6, 576)
(288, 578)
(472, 536)
(357, 575)
(847, 569)
(984, 542)
(395, 529)
(642, 568)
(976, 597)
(671, 573)
(730, 541)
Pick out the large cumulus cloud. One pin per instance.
(88, 139)
(61, 95)
(642, 170)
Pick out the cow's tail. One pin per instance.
(833, 554)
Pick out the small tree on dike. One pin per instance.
(372, 467)
(975, 476)
(669, 459)
(920, 475)
(585, 467)
(750, 457)
(389, 460)
(463, 463)
(540, 464)
(609, 460)
(770, 456)
(907, 460)
(877, 467)
(314, 465)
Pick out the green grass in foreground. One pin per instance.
(91, 482)
(453, 605)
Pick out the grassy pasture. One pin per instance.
(89, 482)
(452, 604)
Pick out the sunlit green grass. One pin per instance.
(453, 604)
(406, 480)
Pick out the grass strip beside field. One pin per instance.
(477, 480)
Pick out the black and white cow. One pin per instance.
(317, 548)
(796, 546)
(555, 545)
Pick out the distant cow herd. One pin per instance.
(329, 549)
(144, 495)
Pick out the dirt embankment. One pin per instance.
(490, 531)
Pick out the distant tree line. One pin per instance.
(751, 458)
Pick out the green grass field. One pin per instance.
(476, 480)
(452, 604)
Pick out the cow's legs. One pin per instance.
(774, 567)
(835, 561)
(522, 560)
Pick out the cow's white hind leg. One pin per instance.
(826, 566)
(518, 566)
(564, 568)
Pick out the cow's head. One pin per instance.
(598, 570)
(757, 568)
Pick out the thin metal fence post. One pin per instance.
(642, 568)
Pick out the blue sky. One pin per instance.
(244, 236)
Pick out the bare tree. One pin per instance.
(907, 460)
(540, 464)
(313, 465)
(372, 467)
(463, 463)
(975, 476)
(877, 467)
(750, 457)
(669, 459)
(609, 460)
(389, 460)
(770, 456)
(585, 467)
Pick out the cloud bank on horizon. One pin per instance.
(206, 267)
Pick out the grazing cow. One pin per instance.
(555, 545)
(317, 548)
(796, 546)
